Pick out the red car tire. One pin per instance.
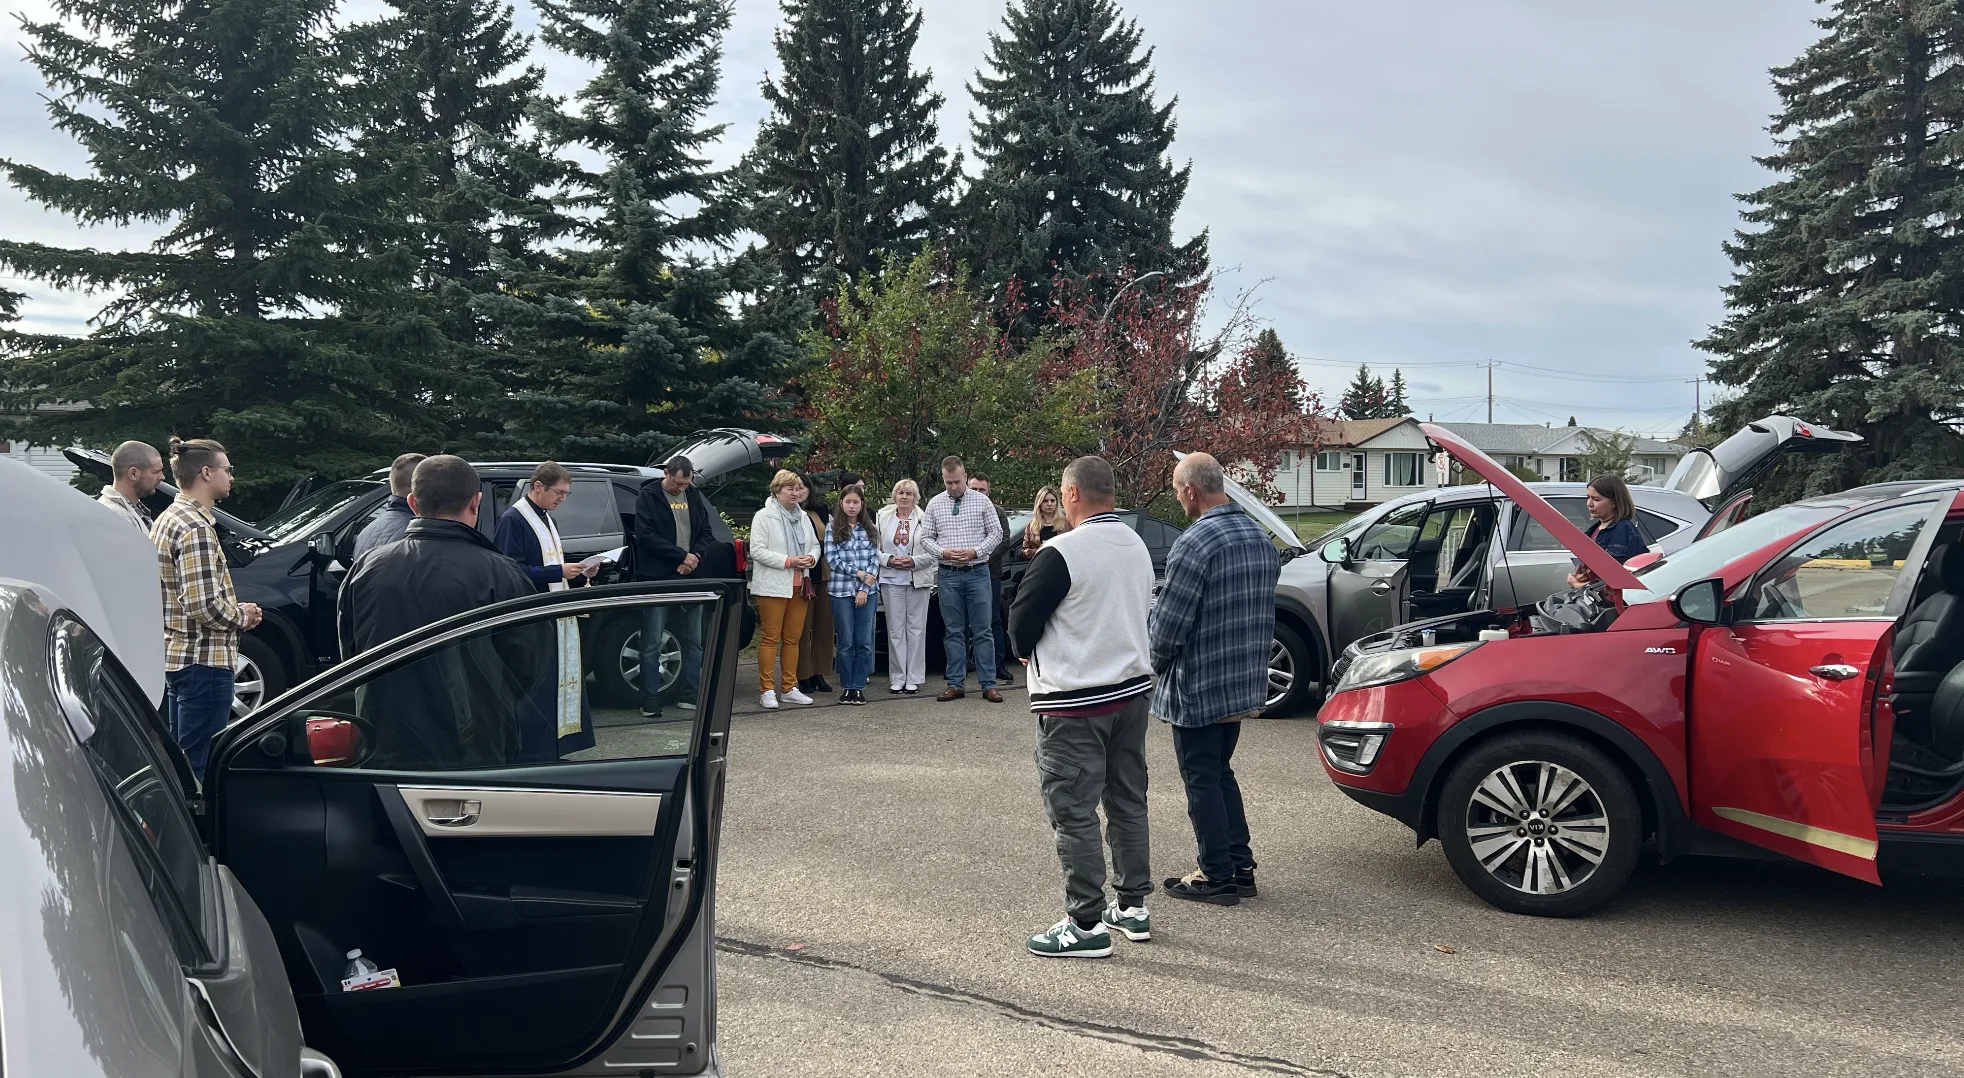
(1540, 823)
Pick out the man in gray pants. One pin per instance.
(1079, 624)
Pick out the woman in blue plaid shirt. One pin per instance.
(852, 549)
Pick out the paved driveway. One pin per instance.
(881, 866)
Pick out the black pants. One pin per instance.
(1220, 825)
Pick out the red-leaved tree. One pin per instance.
(1163, 383)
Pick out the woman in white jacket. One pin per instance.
(783, 552)
(906, 585)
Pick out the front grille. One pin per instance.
(1354, 747)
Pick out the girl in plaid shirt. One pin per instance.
(852, 549)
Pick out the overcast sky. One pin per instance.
(1410, 183)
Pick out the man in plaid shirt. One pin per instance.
(1211, 634)
(202, 615)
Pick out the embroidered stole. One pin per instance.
(567, 708)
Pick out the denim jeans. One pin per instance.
(998, 634)
(965, 611)
(852, 629)
(686, 623)
(1082, 762)
(198, 703)
(1220, 825)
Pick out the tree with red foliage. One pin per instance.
(1162, 384)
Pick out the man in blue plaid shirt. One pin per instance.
(1211, 634)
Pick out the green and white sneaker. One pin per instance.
(1133, 922)
(1066, 940)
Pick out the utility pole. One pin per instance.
(1697, 405)
(1489, 391)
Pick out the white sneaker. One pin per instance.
(686, 705)
(770, 701)
(796, 697)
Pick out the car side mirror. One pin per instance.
(1701, 602)
(322, 546)
(334, 741)
(1336, 552)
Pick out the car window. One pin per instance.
(313, 512)
(589, 510)
(1391, 537)
(1709, 555)
(138, 773)
(527, 693)
(1846, 571)
(1536, 537)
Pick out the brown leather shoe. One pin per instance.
(992, 696)
(950, 694)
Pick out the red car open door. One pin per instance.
(1783, 706)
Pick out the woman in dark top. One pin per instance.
(1613, 513)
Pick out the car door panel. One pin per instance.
(531, 910)
(1779, 751)
(1367, 597)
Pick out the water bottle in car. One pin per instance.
(359, 966)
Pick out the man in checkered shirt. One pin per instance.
(1212, 630)
(961, 530)
(202, 614)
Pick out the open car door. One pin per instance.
(1785, 728)
(535, 870)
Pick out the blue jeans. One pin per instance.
(686, 623)
(198, 703)
(852, 629)
(997, 632)
(965, 611)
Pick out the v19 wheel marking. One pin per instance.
(1537, 827)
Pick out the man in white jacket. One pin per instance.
(1079, 622)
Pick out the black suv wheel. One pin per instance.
(1540, 823)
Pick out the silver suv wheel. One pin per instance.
(248, 686)
(671, 659)
(1537, 827)
(1281, 672)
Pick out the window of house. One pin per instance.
(1329, 461)
(1288, 460)
(1401, 469)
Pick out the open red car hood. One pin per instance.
(1607, 569)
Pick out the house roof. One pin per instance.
(1338, 433)
(1532, 438)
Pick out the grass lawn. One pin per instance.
(1311, 526)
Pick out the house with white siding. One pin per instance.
(1366, 461)
(40, 458)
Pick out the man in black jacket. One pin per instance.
(671, 542)
(459, 706)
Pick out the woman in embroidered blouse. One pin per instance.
(1046, 520)
(852, 550)
(783, 553)
(906, 585)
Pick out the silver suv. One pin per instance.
(1464, 548)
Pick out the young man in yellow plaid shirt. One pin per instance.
(202, 615)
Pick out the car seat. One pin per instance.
(1929, 644)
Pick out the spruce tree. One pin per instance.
(1364, 398)
(453, 113)
(640, 329)
(1076, 179)
(1396, 406)
(848, 168)
(1268, 358)
(1847, 301)
(264, 315)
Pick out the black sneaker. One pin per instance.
(858, 696)
(1244, 881)
(1196, 887)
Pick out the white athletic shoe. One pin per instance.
(796, 697)
(770, 701)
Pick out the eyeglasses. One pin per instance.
(559, 492)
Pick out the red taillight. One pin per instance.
(742, 557)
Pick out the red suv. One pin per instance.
(1793, 682)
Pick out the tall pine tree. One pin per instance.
(457, 94)
(1847, 303)
(265, 314)
(1396, 405)
(1364, 398)
(1268, 359)
(641, 329)
(1076, 179)
(848, 167)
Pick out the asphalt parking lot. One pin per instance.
(882, 865)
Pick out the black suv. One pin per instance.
(292, 562)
